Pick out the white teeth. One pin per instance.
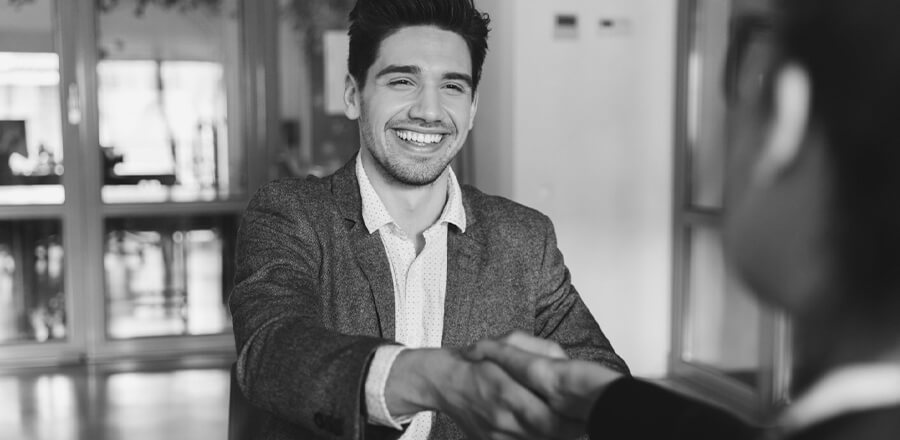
(421, 138)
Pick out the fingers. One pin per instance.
(531, 370)
(522, 341)
(569, 386)
(524, 357)
(517, 412)
(486, 402)
(533, 344)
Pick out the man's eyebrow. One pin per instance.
(394, 68)
(460, 77)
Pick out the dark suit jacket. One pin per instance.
(314, 298)
(634, 409)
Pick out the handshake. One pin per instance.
(514, 387)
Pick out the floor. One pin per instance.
(116, 401)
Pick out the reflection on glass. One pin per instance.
(40, 406)
(707, 106)
(31, 150)
(32, 298)
(78, 403)
(721, 72)
(165, 81)
(316, 137)
(184, 404)
(168, 276)
(723, 321)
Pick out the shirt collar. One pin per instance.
(376, 216)
(848, 389)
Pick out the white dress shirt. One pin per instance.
(420, 283)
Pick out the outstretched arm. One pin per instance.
(570, 387)
(483, 399)
(289, 362)
(610, 404)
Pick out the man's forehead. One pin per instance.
(426, 48)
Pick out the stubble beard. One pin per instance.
(420, 173)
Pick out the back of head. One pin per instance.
(371, 21)
(851, 51)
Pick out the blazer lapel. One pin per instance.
(366, 248)
(373, 261)
(464, 264)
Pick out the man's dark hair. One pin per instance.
(851, 50)
(371, 21)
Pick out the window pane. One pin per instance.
(723, 320)
(706, 106)
(32, 297)
(31, 150)
(167, 88)
(168, 276)
(316, 137)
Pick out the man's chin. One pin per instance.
(410, 176)
(415, 180)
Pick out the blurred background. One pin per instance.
(133, 132)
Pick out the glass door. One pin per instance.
(132, 134)
(171, 174)
(39, 224)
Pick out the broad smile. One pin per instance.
(419, 139)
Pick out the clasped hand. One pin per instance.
(517, 387)
(568, 387)
(513, 387)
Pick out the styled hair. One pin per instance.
(371, 21)
(851, 51)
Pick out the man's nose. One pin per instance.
(427, 106)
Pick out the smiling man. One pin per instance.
(355, 292)
(414, 117)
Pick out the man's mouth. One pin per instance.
(420, 139)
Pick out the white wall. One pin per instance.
(581, 129)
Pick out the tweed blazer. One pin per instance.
(314, 298)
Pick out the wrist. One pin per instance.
(413, 384)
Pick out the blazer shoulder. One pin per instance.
(297, 186)
(298, 192)
(502, 212)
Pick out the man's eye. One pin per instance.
(400, 82)
(456, 88)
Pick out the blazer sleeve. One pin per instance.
(288, 363)
(562, 316)
(634, 409)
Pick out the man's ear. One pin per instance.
(351, 97)
(788, 125)
(473, 110)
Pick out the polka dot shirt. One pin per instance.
(420, 283)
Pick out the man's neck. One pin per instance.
(414, 208)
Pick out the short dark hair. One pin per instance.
(851, 51)
(371, 21)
